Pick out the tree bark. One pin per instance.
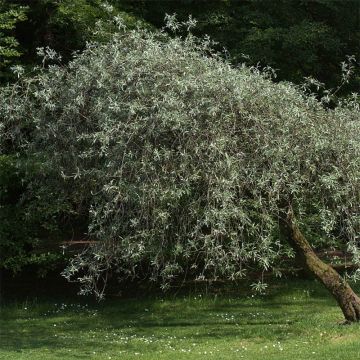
(348, 301)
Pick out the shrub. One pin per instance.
(186, 162)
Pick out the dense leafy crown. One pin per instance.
(185, 161)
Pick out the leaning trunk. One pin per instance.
(348, 301)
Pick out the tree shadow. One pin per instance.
(232, 316)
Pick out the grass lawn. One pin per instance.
(296, 320)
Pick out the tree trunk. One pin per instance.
(348, 301)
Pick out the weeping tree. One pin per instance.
(188, 165)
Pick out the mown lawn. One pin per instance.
(296, 320)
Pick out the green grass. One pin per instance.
(296, 320)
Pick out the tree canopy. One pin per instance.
(185, 164)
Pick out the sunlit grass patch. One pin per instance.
(295, 320)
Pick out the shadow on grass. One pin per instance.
(229, 316)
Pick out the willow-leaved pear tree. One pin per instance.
(189, 165)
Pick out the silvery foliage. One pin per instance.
(329, 95)
(186, 161)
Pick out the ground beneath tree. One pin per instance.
(296, 320)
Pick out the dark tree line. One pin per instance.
(297, 38)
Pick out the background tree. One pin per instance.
(10, 15)
(189, 166)
(297, 38)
